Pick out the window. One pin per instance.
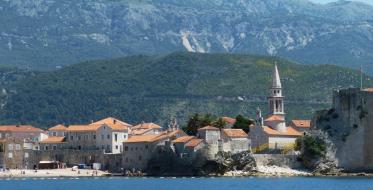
(125, 136)
(54, 147)
(18, 147)
(71, 137)
(10, 155)
(79, 147)
(136, 148)
(79, 138)
(1, 135)
(126, 148)
(108, 136)
(94, 137)
(10, 146)
(116, 147)
(26, 155)
(54, 134)
(146, 146)
(46, 147)
(140, 158)
(116, 137)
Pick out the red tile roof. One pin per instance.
(229, 120)
(58, 128)
(302, 123)
(368, 89)
(82, 128)
(146, 138)
(147, 126)
(289, 132)
(183, 139)
(274, 118)
(209, 128)
(193, 143)
(235, 133)
(53, 140)
(111, 121)
(19, 128)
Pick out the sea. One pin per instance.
(187, 183)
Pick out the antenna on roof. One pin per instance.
(361, 76)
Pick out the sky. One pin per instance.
(327, 1)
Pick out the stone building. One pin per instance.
(17, 154)
(139, 149)
(272, 133)
(235, 140)
(349, 126)
(179, 144)
(194, 147)
(22, 132)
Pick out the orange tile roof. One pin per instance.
(177, 132)
(229, 120)
(289, 132)
(235, 133)
(140, 131)
(145, 138)
(302, 123)
(94, 127)
(368, 89)
(147, 126)
(274, 118)
(111, 121)
(53, 140)
(58, 128)
(211, 128)
(193, 143)
(19, 128)
(82, 128)
(183, 139)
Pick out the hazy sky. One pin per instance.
(327, 1)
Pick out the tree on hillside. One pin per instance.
(242, 123)
(197, 121)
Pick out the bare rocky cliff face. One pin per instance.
(45, 34)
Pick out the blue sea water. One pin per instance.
(239, 183)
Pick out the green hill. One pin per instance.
(154, 88)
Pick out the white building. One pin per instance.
(57, 131)
(272, 132)
(106, 135)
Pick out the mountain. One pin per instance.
(154, 88)
(45, 34)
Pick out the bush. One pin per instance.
(312, 147)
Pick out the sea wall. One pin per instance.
(277, 160)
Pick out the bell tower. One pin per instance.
(275, 98)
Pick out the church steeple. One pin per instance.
(276, 82)
(275, 99)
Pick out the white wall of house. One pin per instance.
(280, 142)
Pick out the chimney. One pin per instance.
(115, 121)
